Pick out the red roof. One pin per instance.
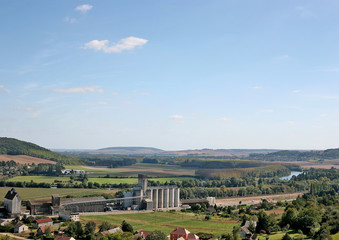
(180, 231)
(44, 228)
(143, 233)
(45, 220)
(192, 236)
(60, 237)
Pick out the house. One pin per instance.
(12, 202)
(182, 234)
(113, 230)
(70, 216)
(20, 227)
(42, 230)
(245, 233)
(43, 222)
(61, 237)
(4, 222)
(142, 233)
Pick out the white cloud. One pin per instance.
(3, 89)
(124, 44)
(283, 57)
(267, 110)
(70, 19)
(296, 91)
(257, 87)
(224, 119)
(291, 123)
(304, 12)
(96, 103)
(25, 109)
(79, 90)
(176, 117)
(115, 93)
(84, 8)
(323, 115)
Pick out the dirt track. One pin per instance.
(22, 159)
(256, 199)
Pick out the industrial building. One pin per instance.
(158, 197)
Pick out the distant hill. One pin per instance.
(130, 150)
(217, 152)
(293, 155)
(12, 146)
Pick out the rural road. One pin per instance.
(256, 199)
(13, 236)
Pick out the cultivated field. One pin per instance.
(39, 193)
(166, 222)
(23, 159)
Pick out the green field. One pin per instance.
(50, 179)
(166, 222)
(38, 193)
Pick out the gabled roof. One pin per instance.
(113, 230)
(192, 236)
(143, 233)
(44, 228)
(181, 231)
(19, 224)
(245, 229)
(11, 194)
(45, 220)
(60, 237)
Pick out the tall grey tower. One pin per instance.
(142, 182)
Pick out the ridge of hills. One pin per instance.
(12, 146)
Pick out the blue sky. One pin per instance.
(170, 74)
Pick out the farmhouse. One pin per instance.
(182, 234)
(20, 227)
(43, 222)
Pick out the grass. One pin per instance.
(166, 222)
(50, 179)
(38, 193)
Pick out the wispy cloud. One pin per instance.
(283, 57)
(176, 117)
(70, 19)
(323, 115)
(257, 87)
(95, 103)
(84, 8)
(291, 123)
(304, 12)
(267, 111)
(124, 44)
(24, 109)
(224, 119)
(328, 70)
(296, 91)
(79, 90)
(3, 89)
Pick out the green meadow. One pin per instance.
(167, 221)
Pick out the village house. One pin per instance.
(182, 234)
(113, 230)
(245, 232)
(142, 233)
(42, 230)
(60, 237)
(43, 222)
(20, 227)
